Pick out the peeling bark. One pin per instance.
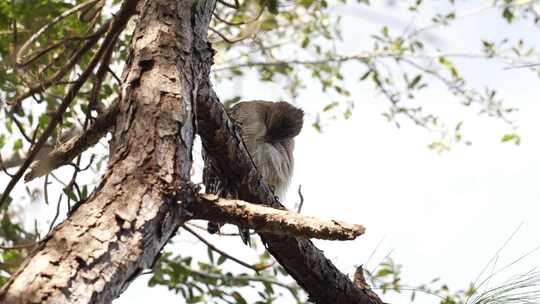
(102, 246)
(267, 219)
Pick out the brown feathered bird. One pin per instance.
(268, 130)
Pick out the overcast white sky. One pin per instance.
(439, 215)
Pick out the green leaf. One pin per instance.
(415, 81)
(508, 15)
(221, 259)
(238, 297)
(269, 24)
(449, 65)
(306, 3)
(511, 137)
(210, 255)
(9, 125)
(366, 75)
(330, 106)
(70, 194)
(305, 42)
(272, 6)
(383, 272)
(347, 114)
(18, 145)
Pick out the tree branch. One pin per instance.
(67, 151)
(267, 219)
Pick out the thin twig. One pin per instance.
(301, 203)
(39, 53)
(100, 75)
(230, 40)
(46, 189)
(18, 58)
(3, 167)
(20, 246)
(223, 253)
(43, 85)
(236, 4)
(57, 212)
(220, 233)
(19, 126)
(259, 14)
(243, 278)
(114, 75)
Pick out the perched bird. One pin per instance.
(268, 130)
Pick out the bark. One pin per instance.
(94, 254)
(268, 219)
(227, 158)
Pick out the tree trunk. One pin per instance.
(93, 255)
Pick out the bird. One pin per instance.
(268, 130)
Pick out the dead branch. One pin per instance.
(17, 159)
(67, 151)
(271, 220)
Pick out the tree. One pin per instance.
(163, 99)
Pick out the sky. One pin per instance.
(439, 215)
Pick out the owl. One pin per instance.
(268, 130)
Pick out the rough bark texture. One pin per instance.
(227, 157)
(94, 254)
(268, 219)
